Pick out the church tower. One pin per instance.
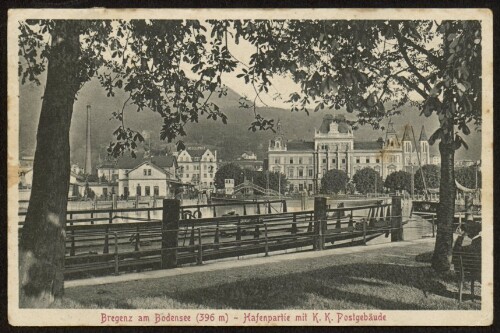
(407, 146)
(391, 138)
(279, 142)
(424, 147)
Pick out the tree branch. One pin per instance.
(435, 60)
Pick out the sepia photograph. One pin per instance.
(256, 167)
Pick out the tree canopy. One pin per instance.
(334, 181)
(398, 181)
(432, 175)
(368, 180)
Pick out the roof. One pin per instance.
(328, 119)
(406, 134)
(300, 145)
(423, 135)
(128, 162)
(164, 161)
(196, 152)
(368, 145)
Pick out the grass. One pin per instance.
(389, 278)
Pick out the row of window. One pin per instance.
(147, 190)
(197, 167)
(210, 175)
(300, 187)
(187, 159)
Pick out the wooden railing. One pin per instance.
(102, 248)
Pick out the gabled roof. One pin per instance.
(164, 161)
(152, 164)
(300, 145)
(368, 145)
(196, 152)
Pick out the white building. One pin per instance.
(197, 166)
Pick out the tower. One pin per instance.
(407, 146)
(88, 150)
(391, 138)
(424, 147)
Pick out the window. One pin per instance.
(324, 161)
(333, 161)
(310, 160)
(310, 172)
(358, 160)
(149, 172)
(145, 172)
(125, 191)
(156, 190)
(290, 172)
(291, 187)
(378, 160)
(187, 175)
(368, 160)
(343, 161)
(276, 161)
(301, 172)
(204, 175)
(147, 191)
(300, 160)
(291, 160)
(310, 187)
(138, 190)
(210, 183)
(301, 187)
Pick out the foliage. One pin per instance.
(367, 180)
(469, 176)
(103, 179)
(334, 181)
(228, 171)
(265, 178)
(432, 174)
(398, 181)
(88, 192)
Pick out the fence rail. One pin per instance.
(115, 247)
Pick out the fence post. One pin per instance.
(283, 204)
(116, 252)
(396, 220)
(244, 209)
(266, 247)
(469, 217)
(364, 230)
(72, 250)
(199, 259)
(339, 215)
(294, 224)
(258, 208)
(115, 201)
(269, 211)
(238, 231)
(319, 215)
(433, 226)
(136, 201)
(170, 230)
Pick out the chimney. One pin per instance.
(88, 151)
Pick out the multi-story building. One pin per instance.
(197, 166)
(334, 147)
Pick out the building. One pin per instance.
(334, 147)
(248, 155)
(141, 176)
(197, 166)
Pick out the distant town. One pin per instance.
(193, 170)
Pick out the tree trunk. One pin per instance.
(441, 259)
(42, 243)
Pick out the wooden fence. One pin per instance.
(103, 248)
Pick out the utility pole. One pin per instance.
(412, 181)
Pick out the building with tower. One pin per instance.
(334, 147)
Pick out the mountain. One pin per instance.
(231, 139)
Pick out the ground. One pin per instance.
(388, 276)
